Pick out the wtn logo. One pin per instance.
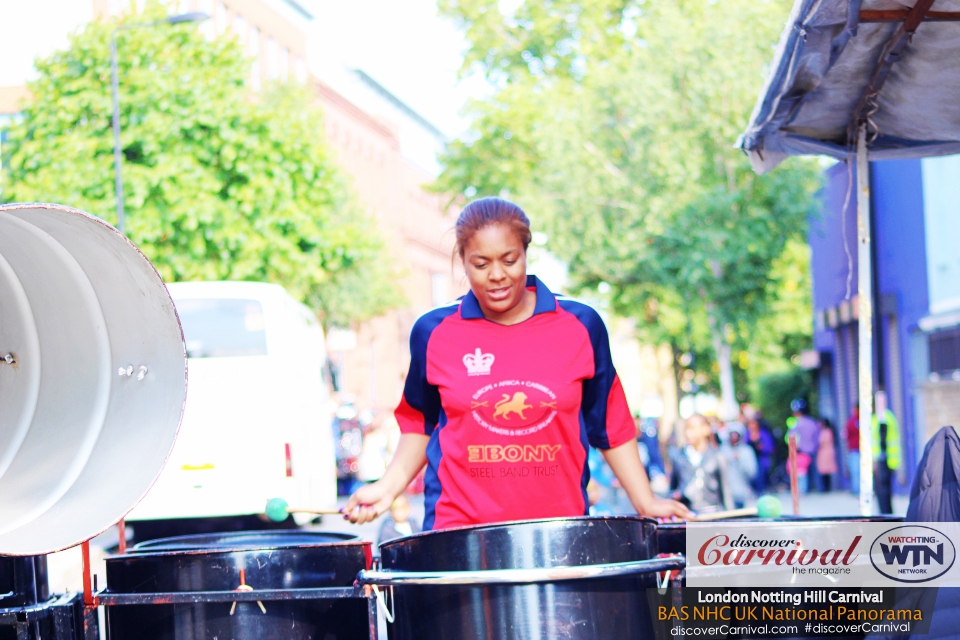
(913, 553)
(920, 552)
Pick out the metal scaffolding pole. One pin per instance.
(865, 323)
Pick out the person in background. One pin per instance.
(595, 495)
(807, 431)
(852, 430)
(605, 499)
(699, 475)
(761, 441)
(887, 455)
(348, 434)
(741, 465)
(827, 456)
(373, 456)
(718, 430)
(649, 442)
(398, 524)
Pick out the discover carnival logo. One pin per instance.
(912, 553)
(726, 550)
(841, 552)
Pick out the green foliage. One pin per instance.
(775, 392)
(786, 330)
(218, 185)
(613, 124)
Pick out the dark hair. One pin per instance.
(486, 211)
(799, 405)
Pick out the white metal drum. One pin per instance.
(92, 377)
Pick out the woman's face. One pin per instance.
(496, 266)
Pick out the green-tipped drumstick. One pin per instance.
(277, 510)
(767, 507)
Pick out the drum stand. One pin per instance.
(60, 616)
(93, 598)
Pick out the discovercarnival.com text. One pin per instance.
(762, 631)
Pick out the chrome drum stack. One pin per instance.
(281, 585)
(572, 578)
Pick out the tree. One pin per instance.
(615, 120)
(218, 184)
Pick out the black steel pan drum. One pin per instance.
(207, 586)
(672, 536)
(542, 579)
(23, 581)
(28, 611)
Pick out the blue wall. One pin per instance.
(896, 189)
(828, 258)
(901, 269)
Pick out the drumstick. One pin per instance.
(720, 515)
(278, 510)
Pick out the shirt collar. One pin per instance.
(546, 301)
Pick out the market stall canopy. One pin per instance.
(842, 62)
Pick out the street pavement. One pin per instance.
(836, 503)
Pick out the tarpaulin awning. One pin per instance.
(824, 76)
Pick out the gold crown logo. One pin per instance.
(478, 364)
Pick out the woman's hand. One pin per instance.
(667, 510)
(624, 460)
(369, 502)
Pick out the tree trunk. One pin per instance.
(728, 397)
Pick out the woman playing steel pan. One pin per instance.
(507, 389)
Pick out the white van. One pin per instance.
(257, 421)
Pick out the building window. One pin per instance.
(253, 47)
(945, 351)
(272, 54)
(240, 27)
(221, 18)
(300, 69)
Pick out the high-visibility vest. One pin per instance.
(893, 439)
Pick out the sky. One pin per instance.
(35, 27)
(403, 44)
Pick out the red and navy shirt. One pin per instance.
(511, 410)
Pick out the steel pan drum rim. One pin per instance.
(144, 547)
(495, 525)
(521, 576)
(197, 552)
(787, 519)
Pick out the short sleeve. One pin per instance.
(606, 416)
(419, 410)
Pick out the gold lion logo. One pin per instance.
(517, 404)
